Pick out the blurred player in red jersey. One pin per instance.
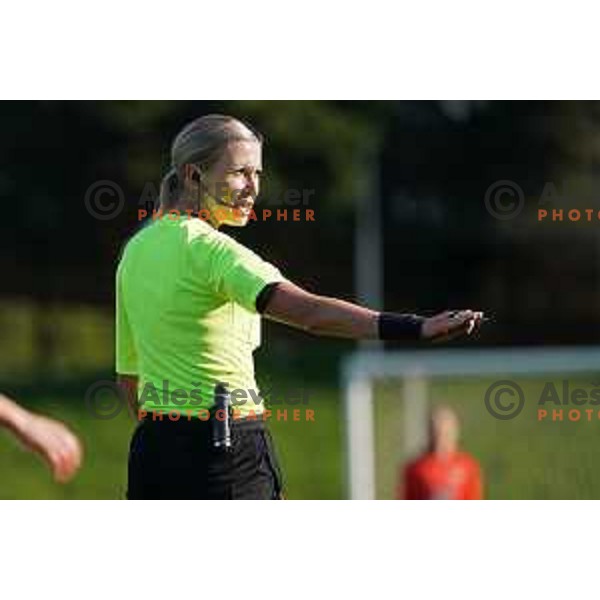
(52, 440)
(442, 472)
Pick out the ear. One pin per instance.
(192, 173)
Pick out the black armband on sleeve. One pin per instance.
(394, 326)
(264, 296)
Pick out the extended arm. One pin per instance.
(48, 437)
(332, 317)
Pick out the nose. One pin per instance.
(252, 185)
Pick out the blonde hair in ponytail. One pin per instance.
(201, 142)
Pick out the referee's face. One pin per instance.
(234, 182)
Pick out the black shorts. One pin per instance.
(175, 460)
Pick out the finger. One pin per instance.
(65, 456)
(70, 460)
(65, 466)
(55, 462)
(460, 322)
(464, 315)
(458, 319)
(458, 329)
(450, 334)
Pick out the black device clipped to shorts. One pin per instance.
(220, 419)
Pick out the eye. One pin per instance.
(246, 171)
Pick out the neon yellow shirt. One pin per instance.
(186, 315)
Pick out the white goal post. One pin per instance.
(416, 370)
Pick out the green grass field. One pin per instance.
(309, 453)
(521, 458)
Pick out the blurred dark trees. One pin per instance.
(438, 159)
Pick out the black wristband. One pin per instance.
(394, 326)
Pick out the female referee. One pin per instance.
(189, 300)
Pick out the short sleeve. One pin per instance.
(233, 270)
(126, 356)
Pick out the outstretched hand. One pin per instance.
(451, 324)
